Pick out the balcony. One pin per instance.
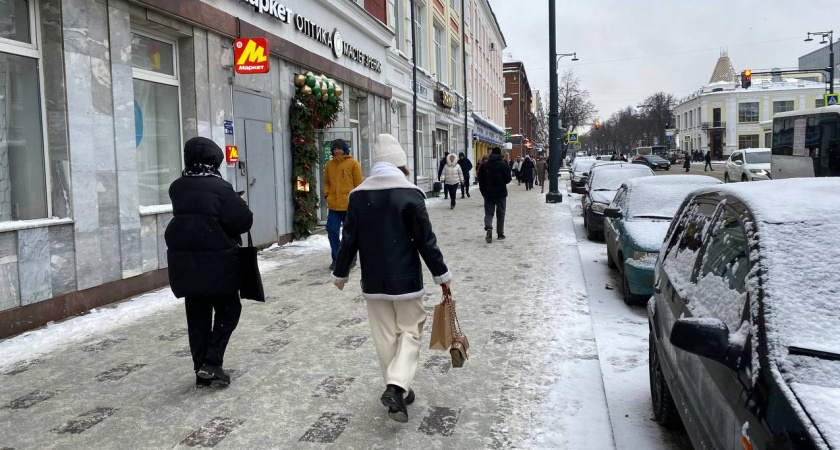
(713, 125)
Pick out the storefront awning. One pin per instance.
(487, 139)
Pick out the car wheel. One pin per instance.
(629, 297)
(664, 409)
(726, 178)
(744, 178)
(610, 263)
(592, 235)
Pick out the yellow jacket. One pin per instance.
(342, 175)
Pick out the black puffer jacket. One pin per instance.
(204, 235)
(493, 177)
(466, 167)
(390, 229)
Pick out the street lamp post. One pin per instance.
(827, 36)
(554, 195)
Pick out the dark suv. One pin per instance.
(655, 162)
(744, 323)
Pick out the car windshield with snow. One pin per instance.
(603, 183)
(636, 222)
(580, 168)
(744, 323)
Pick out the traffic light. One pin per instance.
(597, 124)
(746, 78)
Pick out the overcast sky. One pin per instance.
(618, 41)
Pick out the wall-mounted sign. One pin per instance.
(445, 99)
(228, 127)
(330, 39)
(251, 55)
(231, 154)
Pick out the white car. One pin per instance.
(749, 164)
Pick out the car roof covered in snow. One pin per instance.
(797, 229)
(662, 196)
(610, 177)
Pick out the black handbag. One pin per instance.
(250, 281)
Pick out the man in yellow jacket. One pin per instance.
(341, 175)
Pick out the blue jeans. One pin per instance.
(334, 221)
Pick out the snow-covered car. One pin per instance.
(636, 222)
(580, 167)
(749, 164)
(604, 182)
(744, 324)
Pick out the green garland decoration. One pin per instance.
(307, 114)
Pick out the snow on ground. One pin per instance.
(54, 336)
(313, 244)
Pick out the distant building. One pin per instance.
(820, 60)
(721, 116)
(518, 107)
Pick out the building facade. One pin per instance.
(820, 60)
(487, 82)
(722, 117)
(519, 104)
(120, 86)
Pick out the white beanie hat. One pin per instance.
(387, 149)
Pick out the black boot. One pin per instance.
(489, 237)
(409, 398)
(393, 399)
(213, 374)
(201, 382)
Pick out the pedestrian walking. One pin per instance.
(687, 163)
(203, 240)
(542, 170)
(388, 225)
(708, 162)
(493, 178)
(441, 165)
(509, 163)
(341, 175)
(526, 172)
(483, 161)
(516, 170)
(466, 168)
(452, 177)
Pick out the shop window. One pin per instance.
(23, 174)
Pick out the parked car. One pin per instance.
(580, 167)
(744, 323)
(604, 182)
(605, 157)
(749, 164)
(655, 162)
(636, 222)
(585, 178)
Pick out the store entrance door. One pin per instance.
(327, 136)
(255, 171)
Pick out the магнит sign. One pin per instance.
(250, 55)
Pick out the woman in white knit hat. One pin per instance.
(387, 224)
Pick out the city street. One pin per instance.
(305, 369)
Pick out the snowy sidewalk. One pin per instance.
(305, 368)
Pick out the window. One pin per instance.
(748, 112)
(722, 279)
(454, 58)
(819, 103)
(748, 141)
(455, 5)
(440, 71)
(398, 20)
(782, 106)
(23, 174)
(420, 28)
(691, 118)
(738, 156)
(157, 116)
(689, 233)
(421, 121)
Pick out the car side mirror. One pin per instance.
(612, 213)
(708, 338)
(739, 162)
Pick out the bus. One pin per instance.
(653, 150)
(805, 143)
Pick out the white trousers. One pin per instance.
(397, 327)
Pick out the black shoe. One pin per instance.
(201, 382)
(452, 207)
(393, 399)
(462, 195)
(489, 237)
(213, 373)
(501, 237)
(332, 266)
(468, 194)
(409, 398)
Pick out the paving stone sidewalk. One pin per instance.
(305, 370)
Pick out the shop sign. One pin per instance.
(231, 154)
(445, 99)
(251, 55)
(330, 39)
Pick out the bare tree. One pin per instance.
(575, 106)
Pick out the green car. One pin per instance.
(637, 221)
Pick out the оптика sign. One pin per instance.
(331, 39)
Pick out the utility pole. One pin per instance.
(554, 195)
(826, 36)
(414, 88)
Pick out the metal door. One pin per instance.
(327, 136)
(255, 172)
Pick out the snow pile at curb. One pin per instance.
(99, 321)
(313, 244)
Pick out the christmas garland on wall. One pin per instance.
(316, 106)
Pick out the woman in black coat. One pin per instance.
(203, 242)
(526, 171)
(466, 167)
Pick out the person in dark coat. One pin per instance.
(441, 165)
(389, 227)
(203, 240)
(526, 172)
(493, 178)
(542, 170)
(466, 167)
(708, 161)
(687, 163)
